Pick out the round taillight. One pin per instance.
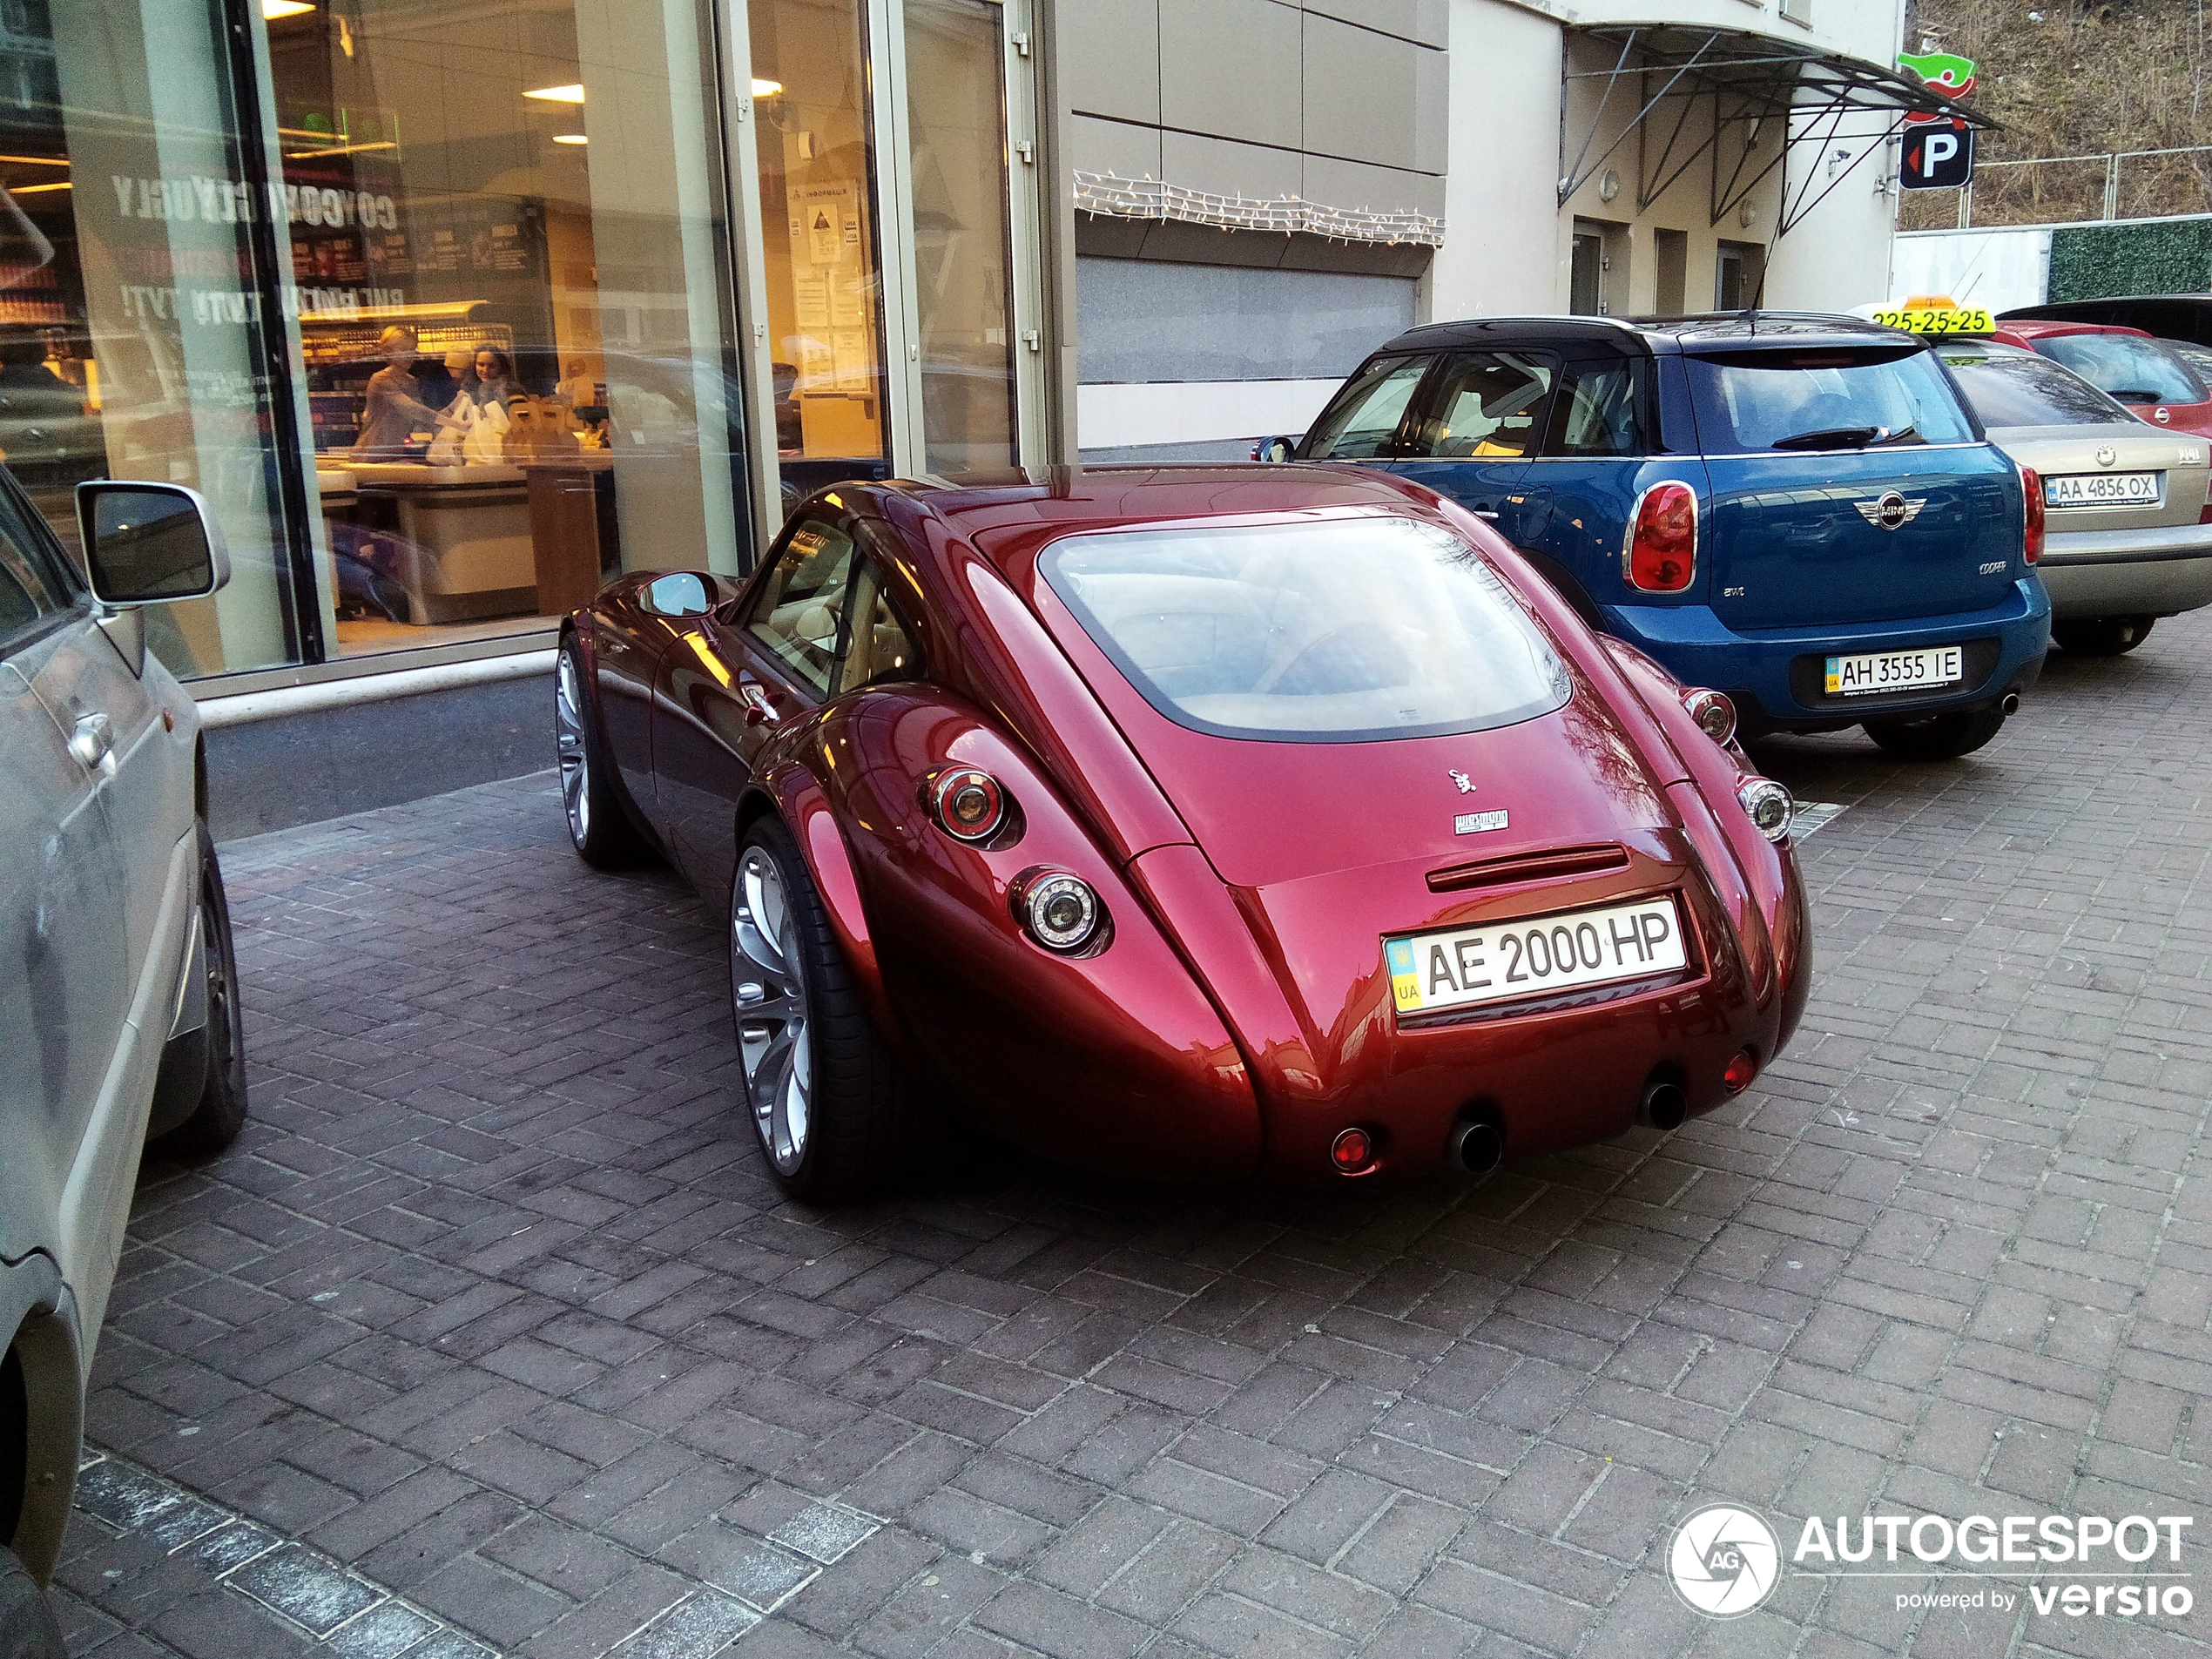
(1714, 714)
(1768, 804)
(1352, 1152)
(968, 804)
(1060, 910)
(1662, 554)
(1740, 1070)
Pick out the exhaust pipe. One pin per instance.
(1477, 1147)
(2010, 703)
(1664, 1105)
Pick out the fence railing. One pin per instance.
(2058, 190)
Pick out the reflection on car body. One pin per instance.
(1197, 822)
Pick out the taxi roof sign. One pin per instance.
(1931, 313)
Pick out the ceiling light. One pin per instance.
(271, 9)
(572, 93)
(33, 190)
(570, 137)
(39, 161)
(765, 89)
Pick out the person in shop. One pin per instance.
(495, 379)
(577, 388)
(394, 410)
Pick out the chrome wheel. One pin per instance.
(769, 990)
(574, 757)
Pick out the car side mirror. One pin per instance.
(682, 593)
(1276, 448)
(150, 543)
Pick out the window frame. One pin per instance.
(862, 532)
(26, 528)
(1393, 448)
(1643, 401)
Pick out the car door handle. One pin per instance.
(1485, 512)
(758, 710)
(94, 743)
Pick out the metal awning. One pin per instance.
(1750, 78)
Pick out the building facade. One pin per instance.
(450, 312)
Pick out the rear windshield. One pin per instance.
(2133, 370)
(1348, 630)
(2032, 391)
(1802, 400)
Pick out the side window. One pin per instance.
(1485, 405)
(802, 603)
(878, 646)
(1362, 420)
(1597, 411)
(29, 591)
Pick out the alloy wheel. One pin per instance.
(769, 990)
(574, 757)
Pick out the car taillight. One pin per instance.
(2031, 492)
(2205, 517)
(968, 804)
(1662, 554)
(1714, 714)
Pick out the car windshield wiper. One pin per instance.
(1834, 437)
(1903, 434)
(2134, 395)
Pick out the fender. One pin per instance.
(40, 1318)
(794, 794)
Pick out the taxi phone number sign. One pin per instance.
(1917, 321)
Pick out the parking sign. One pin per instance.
(1937, 155)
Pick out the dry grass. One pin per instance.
(2068, 78)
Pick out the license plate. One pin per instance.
(1897, 670)
(1504, 961)
(2104, 489)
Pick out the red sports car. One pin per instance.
(1189, 822)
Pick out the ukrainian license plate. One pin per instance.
(1504, 961)
(1897, 670)
(2104, 489)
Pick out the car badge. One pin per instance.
(2106, 456)
(1473, 823)
(2164, 415)
(1890, 510)
(1466, 783)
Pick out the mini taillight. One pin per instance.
(1060, 911)
(2032, 491)
(1714, 714)
(1662, 555)
(1768, 806)
(968, 804)
(2205, 517)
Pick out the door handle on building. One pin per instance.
(94, 743)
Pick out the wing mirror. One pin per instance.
(1276, 448)
(150, 543)
(682, 593)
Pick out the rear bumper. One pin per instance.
(2144, 573)
(1756, 668)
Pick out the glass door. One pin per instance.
(963, 71)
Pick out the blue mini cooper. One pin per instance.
(1798, 510)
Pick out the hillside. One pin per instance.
(2068, 78)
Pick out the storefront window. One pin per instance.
(825, 287)
(134, 343)
(508, 266)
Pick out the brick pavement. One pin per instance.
(491, 1333)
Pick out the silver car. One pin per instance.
(119, 1015)
(2125, 541)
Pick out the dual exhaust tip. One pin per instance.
(1478, 1145)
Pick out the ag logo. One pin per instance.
(1725, 1560)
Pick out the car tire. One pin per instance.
(219, 1113)
(2101, 636)
(1938, 737)
(28, 1628)
(831, 1107)
(599, 828)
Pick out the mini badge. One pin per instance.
(1464, 784)
(1473, 823)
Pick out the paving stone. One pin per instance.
(493, 1319)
